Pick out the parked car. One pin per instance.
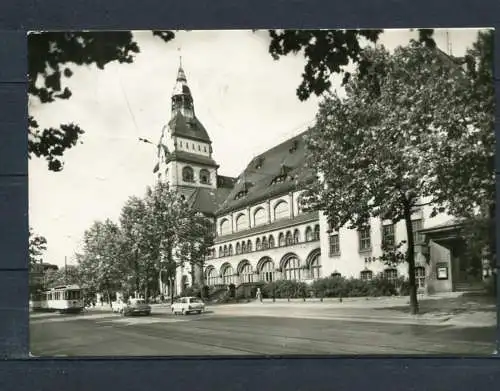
(186, 305)
(136, 307)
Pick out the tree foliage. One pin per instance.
(381, 149)
(37, 245)
(329, 52)
(53, 58)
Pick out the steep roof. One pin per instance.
(190, 128)
(256, 182)
(204, 200)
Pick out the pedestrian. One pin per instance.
(259, 295)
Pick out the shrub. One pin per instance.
(284, 289)
(342, 287)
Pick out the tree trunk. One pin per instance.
(410, 258)
(171, 290)
(109, 297)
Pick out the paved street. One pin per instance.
(244, 330)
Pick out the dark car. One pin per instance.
(136, 307)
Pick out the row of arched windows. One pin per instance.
(266, 271)
(267, 242)
(260, 217)
(188, 175)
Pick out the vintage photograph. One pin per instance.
(262, 192)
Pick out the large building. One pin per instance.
(261, 232)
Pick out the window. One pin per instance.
(212, 277)
(241, 222)
(420, 276)
(221, 252)
(264, 243)
(281, 210)
(296, 236)
(187, 174)
(365, 243)
(289, 238)
(267, 271)
(271, 241)
(334, 244)
(291, 269)
(230, 250)
(391, 274)
(246, 273)
(309, 234)
(187, 145)
(238, 248)
(225, 227)
(193, 146)
(316, 267)
(204, 176)
(243, 247)
(418, 238)
(316, 232)
(225, 251)
(249, 245)
(205, 148)
(199, 148)
(366, 275)
(281, 239)
(388, 236)
(257, 245)
(228, 275)
(260, 216)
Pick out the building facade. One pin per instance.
(261, 232)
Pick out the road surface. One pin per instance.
(103, 334)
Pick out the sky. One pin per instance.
(246, 100)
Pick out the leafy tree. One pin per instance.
(100, 264)
(329, 52)
(196, 238)
(380, 149)
(68, 275)
(53, 58)
(37, 245)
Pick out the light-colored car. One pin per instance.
(136, 307)
(186, 305)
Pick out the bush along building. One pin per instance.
(261, 233)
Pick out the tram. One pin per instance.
(65, 298)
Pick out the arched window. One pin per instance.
(212, 277)
(281, 210)
(260, 216)
(316, 267)
(296, 236)
(271, 241)
(267, 271)
(225, 227)
(246, 274)
(238, 248)
(241, 222)
(281, 239)
(230, 250)
(221, 252)
(264, 243)
(249, 245)
(309, 234)
(289, 238)
(316, 232)
(228, 275)
(204, 176)
(291, 269)
(366, 275)
(225, 251)
(420, 276)
(257, 245)
(243, 247)
(187, 174)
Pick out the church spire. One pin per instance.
(182, 100)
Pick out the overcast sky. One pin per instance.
(244, 98)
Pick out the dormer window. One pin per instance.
(241, 194)
(294, 146)
(187, 174)
(204, 177)
(279, 179)
(259, 163)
